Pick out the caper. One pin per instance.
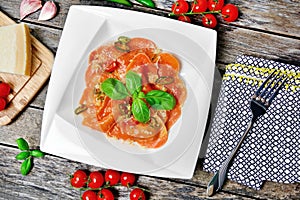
(124, 39)
(154, 123)
(121, 46)
(81, 108)
(164, 80)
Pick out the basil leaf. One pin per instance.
(141, 95)
(133, 82)
(37, 153)
(140, 110)
(22, 144)
(26, 166)
(160, 100)
(114, 88)
(124, 2)
(22, 155)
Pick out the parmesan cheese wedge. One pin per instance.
(15, 49)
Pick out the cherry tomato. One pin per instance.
(89, 195)
(215, 4)
(184, 18)
(96, 180)
(105, 194)
(180, 7)
(79, 179)
(137, 194)
(209, 20)
(199, 6)
(127, 179)
(2, 103)
(112, 176)
(4, 89)
(230, 12)
(112, 66)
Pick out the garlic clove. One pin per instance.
(48, 11)
(29, 6)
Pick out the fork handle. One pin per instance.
(216, 183)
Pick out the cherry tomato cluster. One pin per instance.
(207, 9)
(4, 92)
(97, 186)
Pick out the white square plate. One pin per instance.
(88, 27)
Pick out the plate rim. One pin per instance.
(96, 9)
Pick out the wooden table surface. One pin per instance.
(267, 29)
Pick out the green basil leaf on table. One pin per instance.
(140, 110)
(22, 144)
(160, 100)
(133, 82)
(26, 166)
(22, 155)
(37, 153)
(148, 3)
(114, 88)
(124, 2)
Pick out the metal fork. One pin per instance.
(260, 102)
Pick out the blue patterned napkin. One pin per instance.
(271, 150)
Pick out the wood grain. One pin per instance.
(49, 179)
(24, 88)
(280, 16)
(268, 29)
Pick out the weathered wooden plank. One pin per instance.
(27, 124)
(231, 40)
(49, 179)
(48, 36)
(280, 16)
(235, 41)
(39, 100)
(270, 190)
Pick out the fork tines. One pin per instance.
(270, 87)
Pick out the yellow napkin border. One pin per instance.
(294, 84)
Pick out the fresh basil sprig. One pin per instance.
(114, 88)
(140, 110)
(27, 155)
(158, 99)
(147, 3)
(133, 82)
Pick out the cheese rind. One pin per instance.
(15, 49)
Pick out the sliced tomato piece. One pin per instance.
(173, 116)
(106, 123)
(112, 66)
(168, 59)
(139, 59)
(104, 109)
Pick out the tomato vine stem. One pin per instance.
(196, 13)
